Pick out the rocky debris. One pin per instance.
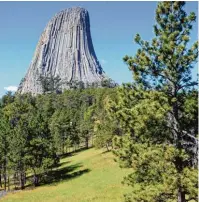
(65, 49)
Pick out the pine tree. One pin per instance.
(105, 125)
(17, 114)
(61, 129)
(86, 125)
(158, 112)
(50, 84)
(41, 156)
(4, 148)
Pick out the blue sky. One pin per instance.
(113, 27)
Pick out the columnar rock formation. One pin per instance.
(65, 49)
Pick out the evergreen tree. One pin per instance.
(31, 144)
(4, 149)
(86, 125)
(34, 130)
(41, 156)
(108, 83)
(158, 112)
(17, 114)
(105, 125)
(6, 99)
(50, 84)
(62, 129)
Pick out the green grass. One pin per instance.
(90, 175)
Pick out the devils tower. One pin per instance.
(65, 49)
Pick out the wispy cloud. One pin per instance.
(103, 61)
(11, 88)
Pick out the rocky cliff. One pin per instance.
(65, 49)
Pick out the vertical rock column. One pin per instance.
(65, 49)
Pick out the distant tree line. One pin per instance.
(50, 84)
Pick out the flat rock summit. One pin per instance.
(65, 49)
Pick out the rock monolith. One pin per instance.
(65, 49)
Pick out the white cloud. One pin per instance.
(11, 88)
(103, 61)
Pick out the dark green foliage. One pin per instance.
(76, 85)
(31, 144)
(50, 84)
(154, 119)
(158, 112)
(105, 126)
(108, 83)
(63, 130)
(6, 99)
(36, 130)
(4, 148)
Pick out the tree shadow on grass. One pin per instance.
(106, 151)
(64, 174)
(60, 175)
(73, 153)
(60, 164)
(61, 172)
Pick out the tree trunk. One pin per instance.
(14, 179)
(22, 181)
(36, 180)
(24, 178)
(4, 176)
(179, 168)
(5, 180)
(86, 142)
(0, 179)
(178, 138)
(181, 195)
(62, 148)
(107, 147)
(8, 182)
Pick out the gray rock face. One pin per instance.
(65, 49)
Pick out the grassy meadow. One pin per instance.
(89, 175)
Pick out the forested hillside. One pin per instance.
(150, 125)
(36, 130)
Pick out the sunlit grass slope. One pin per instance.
(90, 175)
